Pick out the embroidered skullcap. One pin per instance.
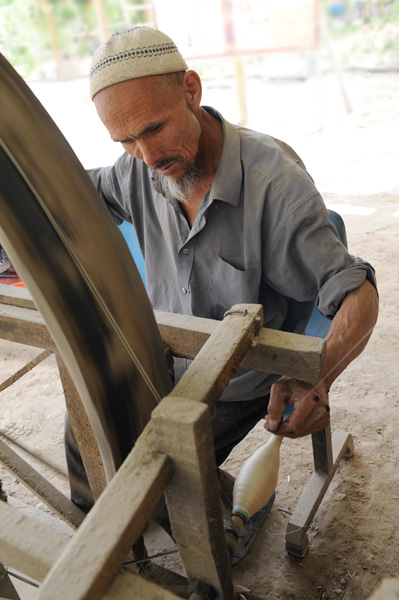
(140, 52)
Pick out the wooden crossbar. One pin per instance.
(31, 547)
(275, 352)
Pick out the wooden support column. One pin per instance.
(183, 431)
(222, 354)
(296, 537)
(43, 489)
(32, 548)
(83, 432)
(322, 450)
(96, 552)
(182, 427)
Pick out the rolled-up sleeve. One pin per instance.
(339, 285)
(309, 261)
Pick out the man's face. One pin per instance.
(153, 118)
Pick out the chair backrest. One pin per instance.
(318, 325)
(129, 233)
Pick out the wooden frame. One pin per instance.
(174, 453)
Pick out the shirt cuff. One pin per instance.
(332, 294)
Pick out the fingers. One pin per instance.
(310, 412)
(280, 396)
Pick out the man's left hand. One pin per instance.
(310, 412)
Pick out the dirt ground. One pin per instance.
(354, 539)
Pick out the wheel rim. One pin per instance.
(74, 262)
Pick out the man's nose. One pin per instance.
(150, 153)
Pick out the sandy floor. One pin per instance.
(354, 536)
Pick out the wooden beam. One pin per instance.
(16, 296)
(42, 488)
(183, 431)
(87, 567)
(25, 326)
(31, 547)
(27, 545)
(127, 585)
(217, 360)
(276, 352)
(83, 432)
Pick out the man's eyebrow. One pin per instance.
(137, 137)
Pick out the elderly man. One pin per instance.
(225, 215)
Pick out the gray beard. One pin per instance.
(183, 187)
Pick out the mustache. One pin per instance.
(167, 161)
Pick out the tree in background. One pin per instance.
(56, 38)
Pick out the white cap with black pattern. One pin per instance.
(140, 52)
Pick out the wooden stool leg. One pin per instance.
(327, 456)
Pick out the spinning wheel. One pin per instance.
(79, 272)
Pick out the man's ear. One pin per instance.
(192, 90)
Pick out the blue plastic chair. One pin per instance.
(129, 233)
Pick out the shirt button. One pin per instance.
(186, 251)
(184, 290)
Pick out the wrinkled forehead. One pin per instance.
(161, 88)
(145, 98)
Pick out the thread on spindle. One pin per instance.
(257, 479)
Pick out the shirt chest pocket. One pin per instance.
(229, 286)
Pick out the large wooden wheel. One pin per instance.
(79, 271)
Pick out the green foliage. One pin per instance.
(41, 43)
(16, 40)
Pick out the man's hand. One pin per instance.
(310, 412)
(349, 332)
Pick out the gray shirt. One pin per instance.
(261, 235)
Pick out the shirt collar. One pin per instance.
(228, 177)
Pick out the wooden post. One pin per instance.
(221, 355)
(182, 427)
(101, 20)
(322, 450)
(53, 36)
(83, 432)
(96, 552)
(241, 91)
(296, 537)
(42, 488)
(183, 431)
